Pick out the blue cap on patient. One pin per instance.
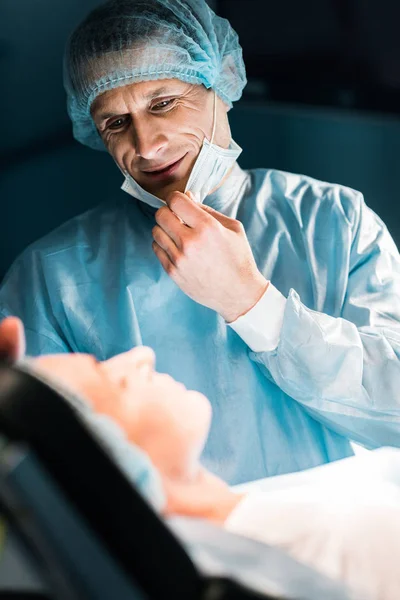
(127, 41)
(132, 461)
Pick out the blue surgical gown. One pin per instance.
(94, 285)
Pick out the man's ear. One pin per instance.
(12, 339)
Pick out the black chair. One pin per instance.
(91, 535)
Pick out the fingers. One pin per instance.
(184, 210)
(164, 241)
(184, 207)
(163, 257)
(12, 339)
(192, 197)
(232, 224)
(170, 223)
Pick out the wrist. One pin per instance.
(246, 301)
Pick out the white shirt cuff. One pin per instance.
(261, 327)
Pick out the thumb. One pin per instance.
(223, 219)
(192, 197)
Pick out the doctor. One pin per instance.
(275, 295)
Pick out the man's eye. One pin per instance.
(116, 124)
(162, 104)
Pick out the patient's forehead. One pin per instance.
(75, 365)
(66, 358)
(80, 374)
(84, 366)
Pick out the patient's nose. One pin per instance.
(143, 359)
(138, 362)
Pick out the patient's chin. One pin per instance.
(201, 414)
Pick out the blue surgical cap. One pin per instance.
(127, 41)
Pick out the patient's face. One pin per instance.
(159, 414)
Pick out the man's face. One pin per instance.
(148, 127)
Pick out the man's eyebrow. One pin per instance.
(104, 116)
(157, 92)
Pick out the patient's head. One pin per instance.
(158, 414)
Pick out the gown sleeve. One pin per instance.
(345, 370)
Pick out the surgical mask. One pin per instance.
(211, 166)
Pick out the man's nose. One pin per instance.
(149, 139)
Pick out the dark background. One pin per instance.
(323, 99)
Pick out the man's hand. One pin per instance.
(208, 256)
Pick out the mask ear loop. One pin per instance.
(214, 117)
(212, 136)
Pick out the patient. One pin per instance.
(343, 519)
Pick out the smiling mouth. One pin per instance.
(165, 170)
